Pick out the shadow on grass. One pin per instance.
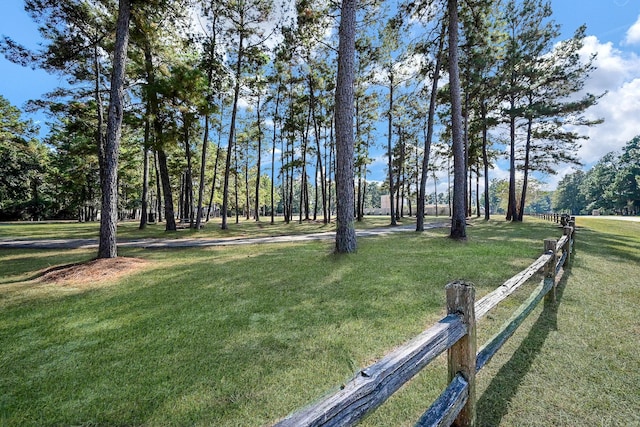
(493, 405)
(599, 244)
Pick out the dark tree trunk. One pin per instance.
(485, 162)
(213, 182)
(145, 173)
(203, 166)
(427, 140)
(478, 192)
(232, 135)
(166, 189)
(158, 186)
(273, 155)
(320, 170)
(258, 164)
(512, 211)
(390, 153)
(215, 166)
(145, 179)
(236, 183)
(331, 164)
(187, 211)
(458, 218)
(107, 247)
(525, 172)
(345, 231)
(205, 137)
(100, 140)
(247, 202)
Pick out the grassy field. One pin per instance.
(129, 229)
(241, 336)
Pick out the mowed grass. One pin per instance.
(241, 336)
(130, 229)
(576, 364)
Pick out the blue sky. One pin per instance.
(613, 29)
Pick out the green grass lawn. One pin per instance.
(241, 336)
(129, 229)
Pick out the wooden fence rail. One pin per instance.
(455, 334)
(559, 218)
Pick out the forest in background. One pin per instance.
(229, 106)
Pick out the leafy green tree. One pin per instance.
(157, 42)
(22, 165)
(482, 49)
(540, 80)
(598, 188)
(529, 33)
(628, 178)
(498, 195)
(568, 195)
(78, 35)
(550, 110)
(74, 160)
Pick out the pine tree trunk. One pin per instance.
(158, 187)
(320, 169)
(427, 141)
(525, 179)
(107, 247)
(213, 182)
(203, 165)
(458, 218)
(232, 132)
(100, 137)
(478, 193)
(345, 232)
(258, 163)
(187, 211)
(273, 155)
(512, 211)
(485, 161)
(145, 180)
(169, 214)
(390, 153)
(215, 166)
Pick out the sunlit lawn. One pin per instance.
(241, 336)
(130, 229)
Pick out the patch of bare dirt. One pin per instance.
(93, 273)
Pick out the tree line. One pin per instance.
(230, 106)
(611, 186)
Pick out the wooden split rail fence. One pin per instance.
(562, 219)
(455, 334)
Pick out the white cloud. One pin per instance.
(618, 73)
(633, 33)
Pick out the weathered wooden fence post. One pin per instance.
(568, 231)
(550, 270)
(462, 355)
(572, 224)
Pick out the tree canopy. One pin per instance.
(230, 108)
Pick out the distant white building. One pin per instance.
(385, 205)
(385, 208)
